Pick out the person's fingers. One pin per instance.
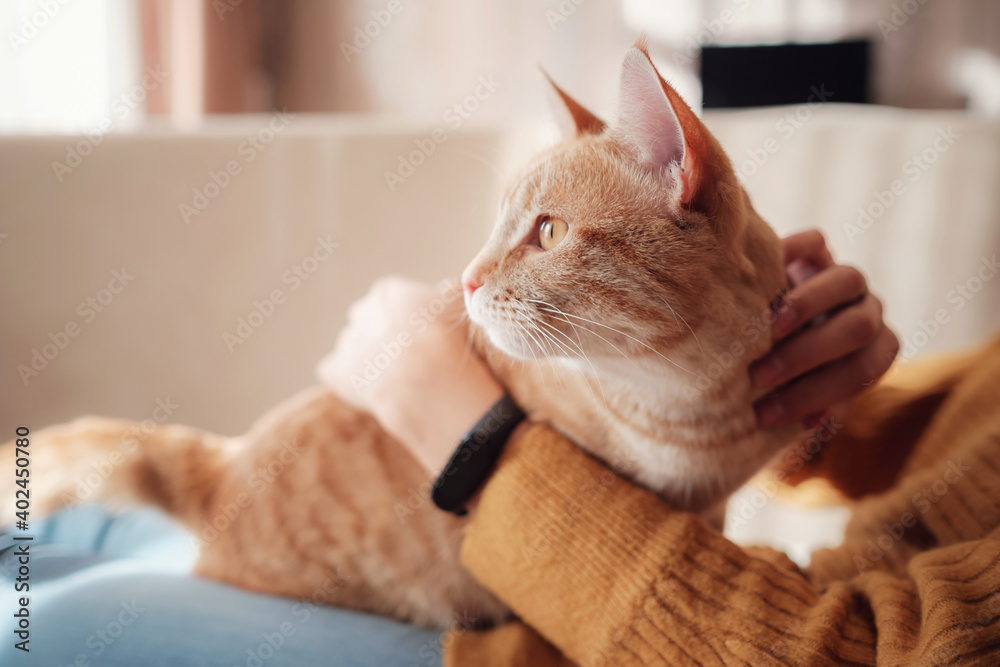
(835, 286)
(847, 331)
(809, 246)
(800, 271)
(815, 392)
(359, 309)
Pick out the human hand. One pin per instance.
(847, 349)
(404, 358)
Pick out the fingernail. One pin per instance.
(767, 371)
(800, 271)
(769, 413)
(784, 321)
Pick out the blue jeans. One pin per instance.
(116, 590)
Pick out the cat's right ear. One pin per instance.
(571, 117)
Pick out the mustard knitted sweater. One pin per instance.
(601, 572)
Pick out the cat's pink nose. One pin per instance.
(471, 285)
(472, 279)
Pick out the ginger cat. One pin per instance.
(621, 298)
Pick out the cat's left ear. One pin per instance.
(656, 123)
(571, 116)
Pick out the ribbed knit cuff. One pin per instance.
(569, 545)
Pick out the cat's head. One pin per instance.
(623, 240)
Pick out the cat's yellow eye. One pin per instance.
(551, 232)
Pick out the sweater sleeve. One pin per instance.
(610, 575)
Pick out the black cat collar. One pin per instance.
(475, 456)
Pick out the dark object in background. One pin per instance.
(758, 76)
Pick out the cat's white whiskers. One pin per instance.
(563, 318)
(533, 322)
(528, 325)
(526, 344)
(523, 334)
(576, 326)
(583, 355)
(542, 348)
(676, 317)
(556, 350)
(610, 328)
(558, 347)
(578, 353)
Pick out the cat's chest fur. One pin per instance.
(649, 421)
